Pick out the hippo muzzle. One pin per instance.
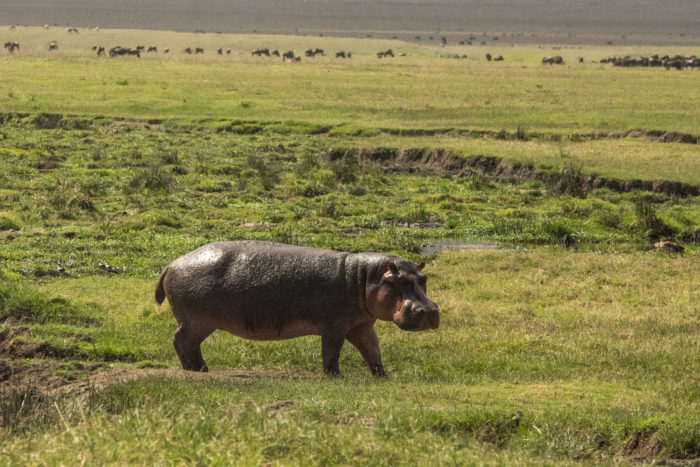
(417, 316)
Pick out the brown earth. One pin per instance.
(448, 163)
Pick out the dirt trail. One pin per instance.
(42, 377)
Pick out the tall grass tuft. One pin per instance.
(571, 180)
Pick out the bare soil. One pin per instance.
(448, 163)
(25, 363)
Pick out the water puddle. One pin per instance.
(438, 246)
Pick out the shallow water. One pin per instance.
(438, 246)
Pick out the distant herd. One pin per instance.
(678, 62)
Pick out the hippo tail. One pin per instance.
(160, 290)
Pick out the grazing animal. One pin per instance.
(188, 50)
(271, 291)
(488, 57)
(669, 246)
(275, 52)
(11, 46)
(152, 48)
(289, 55)
(553, 60)
(220, 51)
(340, 54)
(198, 50)
(53, 46)
(228, 51)
(100, 51)
(61, 270)
(166, 50)
(94, 46)
(309, 53)
(498, 58)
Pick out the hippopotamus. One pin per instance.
(271, 291)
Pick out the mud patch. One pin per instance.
(643, 446)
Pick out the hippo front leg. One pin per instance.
(365, 339)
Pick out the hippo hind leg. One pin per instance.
(187, 342)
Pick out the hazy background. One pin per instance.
(666, 21)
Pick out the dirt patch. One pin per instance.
(643, 446)
(445, 162)
(42, 377)
(659, 136)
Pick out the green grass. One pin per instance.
(420, 90)
(576, 344)
(540, 357)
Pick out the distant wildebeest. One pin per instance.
(188, 50)
(166, 50)
(498, 58)
(580, 59)
(198, 50)
(140, 48)
(75, 30)
(53, 45)
(114, 51)
(340, 54)
(100, 51)
(228, 51)
(553, 60)
(297, 59)
(275, 52)
(220, 51)
(309, 52)
(11, 46)
(488, 57)
(152, 48)
(261, 52)
(319, 52)
(94, 46)
(289, 55)
(388, 53)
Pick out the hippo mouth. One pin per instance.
(412, 318)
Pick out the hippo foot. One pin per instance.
(333, 372)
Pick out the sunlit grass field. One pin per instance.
(573, 342)
(420, 90)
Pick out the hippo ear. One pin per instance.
(391, 269)
(421, 265)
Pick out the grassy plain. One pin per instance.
(578, 344)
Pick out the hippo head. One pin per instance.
(397, 292)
